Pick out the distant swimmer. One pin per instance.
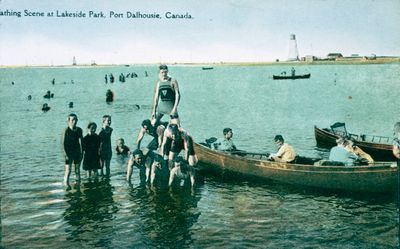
(137, 106)
(53, 81)
(109, 96)
(29, 97)
(45, 107)
(146, 74)
(106, 78)
(47, 95)
(71, 104)
(111, 78)
(12, 83)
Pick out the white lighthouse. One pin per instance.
(293, 51)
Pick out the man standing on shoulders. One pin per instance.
(285, 152)
(166, 97)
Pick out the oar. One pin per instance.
(245, 153)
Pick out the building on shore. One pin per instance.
(334, 56)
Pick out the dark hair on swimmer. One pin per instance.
(92, 124)
(226, 130)
(147, 123)
(137, 152)
(163, 67)
(179, 159)
(174, 128)
(279, 138)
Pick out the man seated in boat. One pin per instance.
(341, 155)
(227, 143)
(285, 152)
(182, 171)
(363, 156)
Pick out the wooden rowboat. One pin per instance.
(382, 177)
(291, 77)
(378, 147)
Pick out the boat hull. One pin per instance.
(380, 178)
(379, 151)
(290, 77)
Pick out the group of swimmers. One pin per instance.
(122, 77)
(161, 156)
(94, 149)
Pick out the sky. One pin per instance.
(218, 30)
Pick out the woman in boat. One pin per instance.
(166, 97)
(396, 142)
(352, 148)
(285, 152)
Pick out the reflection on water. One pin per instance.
(167, 216)
(91, 212)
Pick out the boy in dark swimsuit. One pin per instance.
(72, 148)
(105, 145)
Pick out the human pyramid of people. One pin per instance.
(160, 157)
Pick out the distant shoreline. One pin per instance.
(344, 61)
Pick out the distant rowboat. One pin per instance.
(291, 77)
(207, 68)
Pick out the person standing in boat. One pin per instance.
(396, 142)
(226, 143)
(285, 152)
(293, 71)
(166, 97)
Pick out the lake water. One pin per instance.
(37, 212)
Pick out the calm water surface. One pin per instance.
(37, 212)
